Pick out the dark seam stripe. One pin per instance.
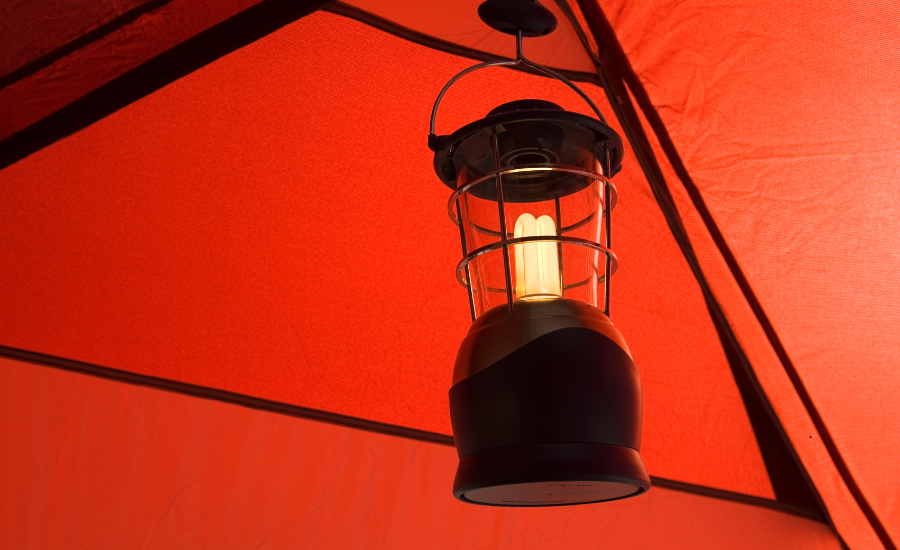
(616, 59)
(221, 395)
(85, 39)
(178, 61)
(233, 398)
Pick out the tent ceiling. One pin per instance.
(30, 30)
(785, 117)
(153, 253)
(252, 235)
(255, 479)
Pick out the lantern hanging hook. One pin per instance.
(519, 60)
(520, 57)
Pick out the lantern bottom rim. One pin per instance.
(550, 474)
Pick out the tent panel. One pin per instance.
(102, 462)
(805, 196)
(26, 101)
(270, 225)
(31, 29)
(844, 511)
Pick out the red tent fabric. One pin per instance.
(235, 203)
(253, 478)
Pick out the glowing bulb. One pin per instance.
(537, 263)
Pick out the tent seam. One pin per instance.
(618, 99)
(297, 411)
(251, 24)
(51, 57)
(630, 78)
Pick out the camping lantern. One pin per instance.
(546, 400)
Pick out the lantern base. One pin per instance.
(557, 421)
(550, 474)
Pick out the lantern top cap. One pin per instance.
(531, 120)
(525, 104)
(506, 116)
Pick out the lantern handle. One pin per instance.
(520, 59)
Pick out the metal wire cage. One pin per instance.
(527, 235)
(532, 200)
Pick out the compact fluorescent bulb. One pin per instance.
(537, 263)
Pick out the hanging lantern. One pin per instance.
(546, 400)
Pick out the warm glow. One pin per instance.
(537, 264)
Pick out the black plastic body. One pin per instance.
(565, 406)
(539, 123)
